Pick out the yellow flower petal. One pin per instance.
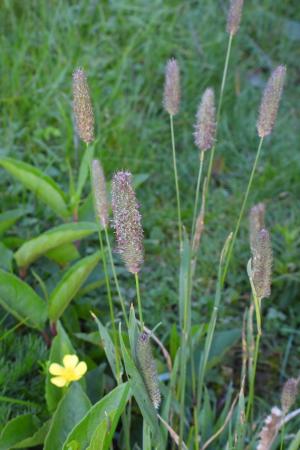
(56, 369)
(59, 381)
(70, 361)
(80, 369)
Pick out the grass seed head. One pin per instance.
(127, 222)
(172, 87)
(205, 128)
(99, 192)
(262, 264)
(256, 223)
(289, 394)
(270, 102)
(148, 369)
(270, 429)
(82, 107)
(234, 16)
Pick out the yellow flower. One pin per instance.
(72, 370)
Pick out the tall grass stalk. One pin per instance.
(212, 324)
(224, 77)
(197, 192)
(176, 181)
(242, 210)
(138, 295)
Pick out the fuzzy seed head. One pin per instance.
(256, 222)
(270, 429)
(270, 102)
(147, 366)
(205, 128)
(234, 16)
(262, 264)
(82, 107)
(127, 222)
(99, 192)
(172, 87)
(289, 394)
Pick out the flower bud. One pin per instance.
(99, 192)
(234, 16)
(205, 128)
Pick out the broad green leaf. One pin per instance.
(108, 346)
(6, 257)
(141, 395)
(17, 430)
(8, 218)
(61, 346)
(63, 234)
(39, 183)
(37, 438)
(18, 298)
(70, 410)
(295, 444)
(63, 254)
(96, 429)
(70, 284)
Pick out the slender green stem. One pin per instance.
(252, 379)
(176, 182)
(18, 402)
(197, 193)
(138, 295)
(242, 210)
(224, 77)
(122, 302)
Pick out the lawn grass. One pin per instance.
(123, 45)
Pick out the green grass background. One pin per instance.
(123, 46)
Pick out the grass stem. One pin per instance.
(197, 193)
(176, 182)
(138, 295)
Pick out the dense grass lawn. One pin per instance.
(123, 45)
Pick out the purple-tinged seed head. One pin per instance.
(262, 264)
(256, 223)
(172, 87)
(234, 16)
(205, 128)
(99, 192)
(127, 222)
(270, 101)
(289, 394)
(82, 107)
(147, 367)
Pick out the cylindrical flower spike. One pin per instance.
(127, 222)
(234, 16)
(82, 107)
(205, 128)
(172, 87)
(256, 222)
(289, 394)
(147, 366)
(262, 264)
(99, 191)
(270, 101)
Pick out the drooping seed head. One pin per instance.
(270, 429)
(82, 107)
(289, 394)
(270, 102)
(147, 367)
(172, 87)
(262, 264)
(205, 128)
(127, 222)
(256, 223)
(234, 16)
(99, 192)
